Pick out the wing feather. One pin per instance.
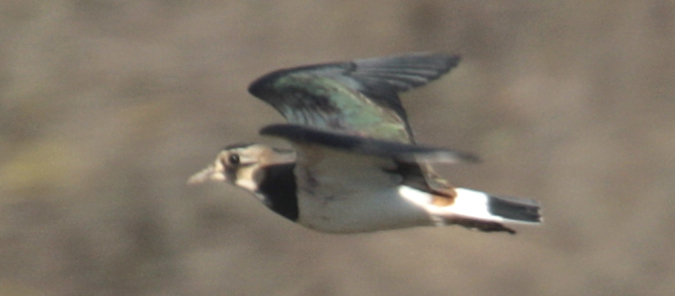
(327, 95)
(400, 152)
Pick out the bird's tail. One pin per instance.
(475, 209)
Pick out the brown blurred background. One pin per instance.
(106, 107)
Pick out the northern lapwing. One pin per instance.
(341, 183)
(353, 102)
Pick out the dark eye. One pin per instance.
(233, 159)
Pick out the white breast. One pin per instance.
(352, 194)
(361, 212)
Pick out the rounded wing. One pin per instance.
(359, 97)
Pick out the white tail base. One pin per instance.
(468, 204)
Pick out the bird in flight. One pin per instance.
(355, 166)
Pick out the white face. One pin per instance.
(240, 165)
(227, 165)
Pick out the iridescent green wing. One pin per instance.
(359, 97)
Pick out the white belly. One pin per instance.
(359, 211)
(343, 192)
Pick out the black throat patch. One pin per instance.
(279, 190)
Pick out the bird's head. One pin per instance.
(242, 165)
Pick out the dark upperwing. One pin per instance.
(358, 97)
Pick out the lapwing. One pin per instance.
(341, 183)
(356, 101)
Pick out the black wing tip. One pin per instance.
(389, 75)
